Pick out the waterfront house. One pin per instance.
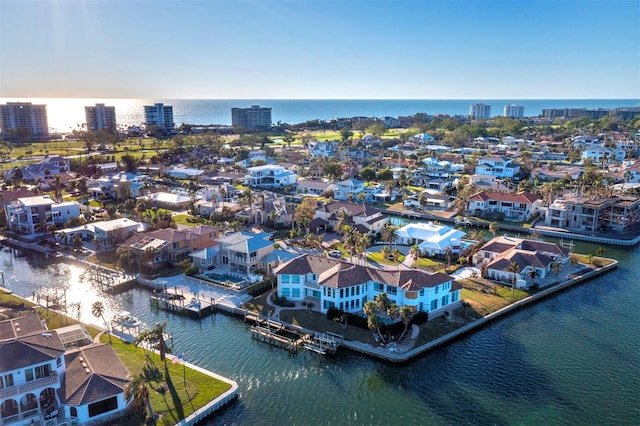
(326, 149)
(343, 285)
(184, 173)
(534, 259)
(110, 233)
(516, 207)
(431, 239)
(269, 176)
(42, 384)
(616, 213)
(242, 252)
(155, 249)
(364, 218)
(37, 214)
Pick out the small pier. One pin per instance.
(184, 304)
(275, 333)
(323, 343)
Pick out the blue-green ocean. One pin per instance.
(573, 358)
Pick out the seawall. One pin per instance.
(408, 355)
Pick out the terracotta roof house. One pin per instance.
(333, 283)
(534, 258)
(40, 383)
(516, 207)
(367, 218)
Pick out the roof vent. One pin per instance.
(86, 370)
(81, 359)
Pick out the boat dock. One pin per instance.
(183, 303)
(278, 334)
(323, 343)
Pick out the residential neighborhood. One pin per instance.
(386, 229)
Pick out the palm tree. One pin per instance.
(385, 252)
(370, 309)
(150, 337)
(344, 218)
(389, 234)
(137, 389)
(97, 310)
(494, 227)
(415, 252)
(393, 311)
(406, 315)
(556, 267)
(515, 269)
(447, 255)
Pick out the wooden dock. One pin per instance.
(179, 304)
(323, 343)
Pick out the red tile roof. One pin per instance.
(520, 197)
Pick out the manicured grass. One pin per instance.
(167, 392)
(377, 257)
(425, 262)
(184, 219)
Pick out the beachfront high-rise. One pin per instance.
(513, 111)
(480, 111)
(159, 115)
(100, 117)
(251, 118)
(23, 119)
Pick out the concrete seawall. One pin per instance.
(406, 356)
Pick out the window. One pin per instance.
(436, 289)
(392, 289)
(341, 293)
(28, 374)
(6, 381)
(103, 406)
(295, 279)
(59, 362)
(285, 279)
(422, 292)
(295, 292)
(378, 287)
(454, 296)
(285, 291)
(445, 300)
(42, 371)
(434, 304)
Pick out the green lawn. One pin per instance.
(169, 398)
(185, 219)
(377, 257)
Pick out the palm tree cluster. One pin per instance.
(382, 304)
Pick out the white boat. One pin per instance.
(125, 319)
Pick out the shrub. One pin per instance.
(420, 317)
(333, 313)
(259, 288)
(191, 271)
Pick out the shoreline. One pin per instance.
(397, 357)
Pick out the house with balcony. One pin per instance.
(50, 165)
(364, 218)
(269, 176)
(348, 190)
(30, 215)
(615, 213)
(326, 149)
(42, 383)
(158, 248)
(241, 252)
(516, 207)
(343, 285)
(498, 166)
(111, 233)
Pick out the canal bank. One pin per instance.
(570, 360)
(400, 357)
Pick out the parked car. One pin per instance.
(336, 254)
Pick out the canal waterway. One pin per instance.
(573, 358)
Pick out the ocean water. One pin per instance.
(67, 114)
(571, 359)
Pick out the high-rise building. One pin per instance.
(100, 117)
(480, 111)
(513, 111)
(25, 116)
(159, 115)
(251, 118)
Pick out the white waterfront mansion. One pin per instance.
(348, 287)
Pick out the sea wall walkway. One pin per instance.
(405, 356)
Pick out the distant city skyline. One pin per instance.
(320, 49)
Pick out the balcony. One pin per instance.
(50, 380)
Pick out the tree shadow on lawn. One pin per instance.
(177, 402)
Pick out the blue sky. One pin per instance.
(316, 49)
